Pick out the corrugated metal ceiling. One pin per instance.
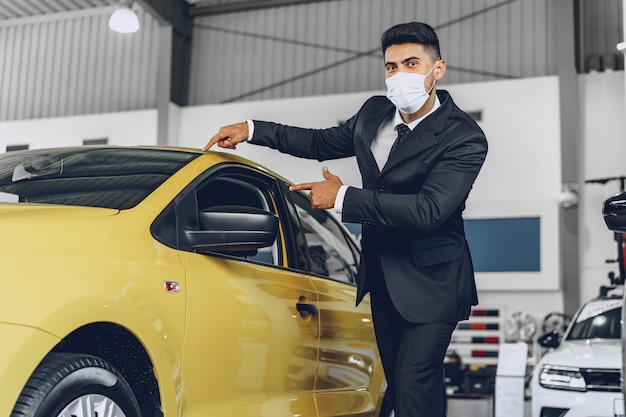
(15, 9)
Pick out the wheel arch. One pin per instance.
(125, 352)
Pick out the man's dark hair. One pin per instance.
(413, 32)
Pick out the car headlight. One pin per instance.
(562, 377)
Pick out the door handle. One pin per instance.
(306, 308)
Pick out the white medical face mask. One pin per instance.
(407, 92)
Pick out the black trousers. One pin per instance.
(412, 356)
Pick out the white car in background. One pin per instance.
(580, 375)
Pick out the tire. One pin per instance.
(76, 385)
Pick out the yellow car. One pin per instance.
(147, 281)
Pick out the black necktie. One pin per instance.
(403, 130)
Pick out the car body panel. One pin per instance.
(224, 336)
(597, 404)
(260, 330)
(114, 292)
(593, 353)
(348, 354)
(18, 346)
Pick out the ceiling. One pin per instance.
(179, 14)
(15, 9)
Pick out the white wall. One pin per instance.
(127, 128)
(521, 174)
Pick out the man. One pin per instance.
(415, 260)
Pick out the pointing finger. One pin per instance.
(221, 139)
(211, 142)
(229, 136)
(301, 187)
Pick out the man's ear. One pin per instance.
(440, 70)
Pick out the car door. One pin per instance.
(251, 332)
(350, 378)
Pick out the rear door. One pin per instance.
(350, 378)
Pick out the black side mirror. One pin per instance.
(233, 229)
(550, 340)
(614, 212)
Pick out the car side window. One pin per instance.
(330, 251)
(245, 191)
(229, 189)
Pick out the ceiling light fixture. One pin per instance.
(124, 19)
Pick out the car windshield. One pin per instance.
(109, 177)
(598, 319)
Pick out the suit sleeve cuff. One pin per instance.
(250, 129)
(341, 194)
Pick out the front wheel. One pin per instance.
(76, 385)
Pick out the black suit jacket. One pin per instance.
(411, 211)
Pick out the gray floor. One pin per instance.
(483, 407)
